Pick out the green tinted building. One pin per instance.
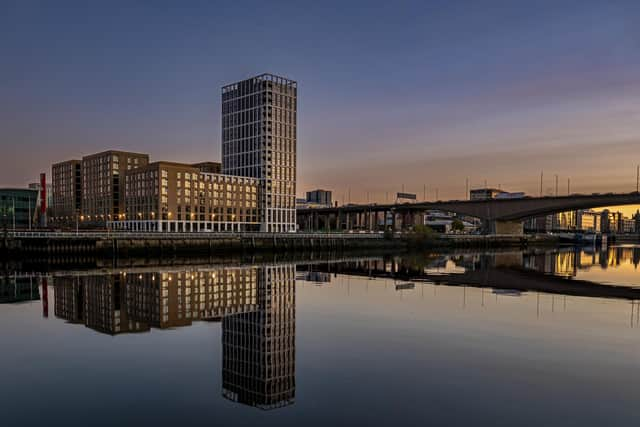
(17, 207)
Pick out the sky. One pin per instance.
(392, 95)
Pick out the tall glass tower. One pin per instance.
(259, 135)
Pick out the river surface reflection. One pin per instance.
(503, 338)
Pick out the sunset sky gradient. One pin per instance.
(391, 93)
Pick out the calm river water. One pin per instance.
(499, 339)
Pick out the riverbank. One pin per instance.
(79, 247)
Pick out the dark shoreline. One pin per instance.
(45, 246)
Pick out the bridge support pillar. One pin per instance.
(507, 227)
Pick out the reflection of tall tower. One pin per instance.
(258, 348)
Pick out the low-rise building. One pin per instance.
(442, 222)
(493, 193)
(319, 197)
(18, 207)
(167, 196)
(588, 220)
(209, 167)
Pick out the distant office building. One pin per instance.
(319, 197)
(628, 226)
(258, 348)
(564, 220)
(66, 191)
(493, 193)
(580, 220)
(209, 167)
(103, 195)
(301, 203)
(165, 196)
(611, 222)
(18, 207)
(588, 220)
(259, 141)
(540, 224)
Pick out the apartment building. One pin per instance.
(253, 189)
(66, 191)
(177, 197)
(103, 195)
(259, 138)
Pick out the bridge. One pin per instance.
(500, 216)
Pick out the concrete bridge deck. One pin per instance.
(501, 216)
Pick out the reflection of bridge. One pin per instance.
(501, 216)
(485, 274)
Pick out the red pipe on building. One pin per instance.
(43, 200)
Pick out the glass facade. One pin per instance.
(17, 208)
(259, 137)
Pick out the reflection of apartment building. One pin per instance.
(256, 305)
(259, 346)
(175, 299)
(69, 299)
(120, 303)
(105, 308)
